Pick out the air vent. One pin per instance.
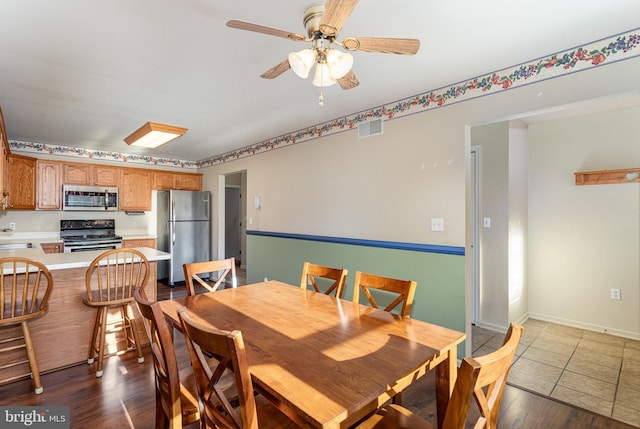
(371, 128)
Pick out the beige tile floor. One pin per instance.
(591, 370)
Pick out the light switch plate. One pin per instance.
(486, 222)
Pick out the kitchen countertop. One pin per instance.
(63, 261)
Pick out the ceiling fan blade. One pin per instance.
(242, 25)
(348, 81)
(277, 70)
(335, 15)
(382, 45)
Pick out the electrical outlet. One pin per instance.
(615, 293)
(437, 224)
(12, 226)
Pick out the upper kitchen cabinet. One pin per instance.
(22, 183)
(89, 174)
(166, 180)
(135, 189)
(49, 185)
(4, 168)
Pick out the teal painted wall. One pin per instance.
(439, 299)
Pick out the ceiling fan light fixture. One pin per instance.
(301, 62)
(322, 76)
(339, 63)
(153, 134)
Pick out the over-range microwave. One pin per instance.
(89, 198)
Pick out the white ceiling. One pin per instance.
(88, 73)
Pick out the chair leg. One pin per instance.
(134, 331)
(94, 338)
(31, 355)
(103, 333)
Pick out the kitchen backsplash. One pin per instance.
(49, 221)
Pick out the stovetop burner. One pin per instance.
(76, 230)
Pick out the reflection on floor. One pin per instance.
(591, 370)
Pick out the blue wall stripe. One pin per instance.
(414, 247)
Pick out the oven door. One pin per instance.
(88, 246)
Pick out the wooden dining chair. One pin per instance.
(110, 281)
(176, 395)
(481, 378)
(220, 411)
(25, 286)
(192, 271)
(401, 291)
(313, 274)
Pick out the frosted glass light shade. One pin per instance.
(323, 76)
(153, 134)
(339, 63)
(301, 62)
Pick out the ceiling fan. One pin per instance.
(323, 23)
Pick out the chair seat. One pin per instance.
(394, 417)
(95, 300)
(270, 417)
(189, 397)
(17, 310)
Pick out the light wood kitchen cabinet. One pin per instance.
(188, 182)
(89, 174)
(139, 242)
(49, 185)
(167, 180)
(4, 167)
(52, 247)
(22, 183)
(135, 189)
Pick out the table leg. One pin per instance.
(446, 373)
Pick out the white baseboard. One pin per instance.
(587, 326)
(492, 327)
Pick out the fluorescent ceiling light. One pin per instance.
(153, 134)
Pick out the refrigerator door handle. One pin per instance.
(173, 222)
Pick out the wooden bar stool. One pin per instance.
(110, 280)
(25, 286)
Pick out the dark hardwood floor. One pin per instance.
(124, 397)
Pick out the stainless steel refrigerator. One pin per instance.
(183, 230)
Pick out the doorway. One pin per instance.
(475, 235)
(232, 223)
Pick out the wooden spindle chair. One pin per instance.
(110, 281)
(25, 286)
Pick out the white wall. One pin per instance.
(388, 187)
(494, 204)
(585, 240)
(518, 221)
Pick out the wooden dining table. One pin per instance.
(326, 362)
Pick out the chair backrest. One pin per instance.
(227, 347)
(484, 379)
(164, 357)
(402, 290)
(191, 271)
(311, 272)
(113, 275)
(25, 286)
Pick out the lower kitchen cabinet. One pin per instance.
(52, 247)
(139, 242)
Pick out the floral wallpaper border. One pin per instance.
(606, 51)
(51, 149)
